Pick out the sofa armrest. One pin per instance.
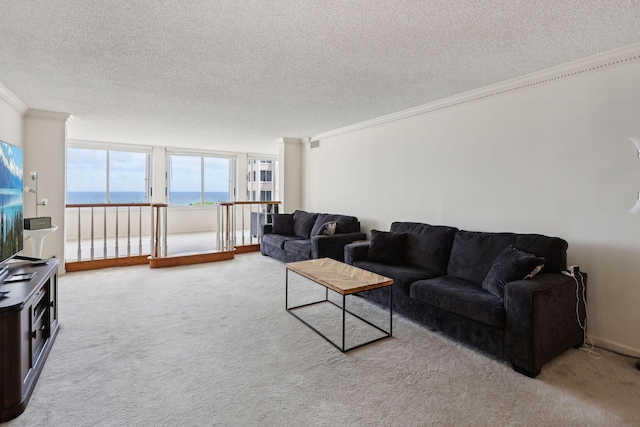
(356, 252)
(266, 228)
(333, 246)
(542, 320)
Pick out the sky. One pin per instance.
(86, 171)
(185, 174)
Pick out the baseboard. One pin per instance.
(615, 346)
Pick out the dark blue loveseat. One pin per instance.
(302, 235)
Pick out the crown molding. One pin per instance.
(11, 99)
(292, 141)
(569, 70)
(51, 115)
(116, 146)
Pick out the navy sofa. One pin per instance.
(472, 287)
(303, 235)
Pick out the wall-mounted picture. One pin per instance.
(11, 201)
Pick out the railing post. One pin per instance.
(156, 248)
(164, 231)
(92, 235)
(140, 230)
(227, 228)
(242, 222)
(265, 214)
(251, 225)
(218, 226)
(79, 237)
(159, 230)
(233, 226)
(151, 232)
(128, 230)
(117, 232)
(104, 248)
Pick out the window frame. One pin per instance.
(233, 158)
(115, 147)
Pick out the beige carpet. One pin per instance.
(212, 345)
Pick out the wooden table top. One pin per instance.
(338, 276)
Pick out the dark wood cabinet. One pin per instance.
(28, 327)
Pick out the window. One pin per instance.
(266, 187)
(265, 176)
(106, 175)
(265, 196)
(197, 180)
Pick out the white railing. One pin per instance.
(232, 220)
(117, 230)
(131, 233)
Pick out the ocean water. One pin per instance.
(175, 197)
(193, 198)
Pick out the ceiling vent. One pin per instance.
(315, 144)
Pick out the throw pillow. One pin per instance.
(387, 247)
(327, 229)
(282, 224)
(344, 223)
(303, 223)
(511, 265)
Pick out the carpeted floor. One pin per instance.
(212, 345)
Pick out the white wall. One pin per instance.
(11, 112)
(44, 151)
(551, 158)
(158, 174)
(42, 135)
(290, 174)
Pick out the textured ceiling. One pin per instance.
(237, 75)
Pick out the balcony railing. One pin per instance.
(233, 219)
(137, 233)
(115, 233)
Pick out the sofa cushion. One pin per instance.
(303, 223)
(277, 240)
(344, 223)
(473, 253)
(428, 246)
(403, 276)
(553, 249)
(511, 265)
(299, 247)
(282, 224)
(462, 297)
(387, 247)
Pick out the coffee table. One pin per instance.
(345, 280)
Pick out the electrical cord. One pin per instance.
(587, 345)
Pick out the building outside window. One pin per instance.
(199, 179)
(266, 176)
(104, 173)
(262, 182)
